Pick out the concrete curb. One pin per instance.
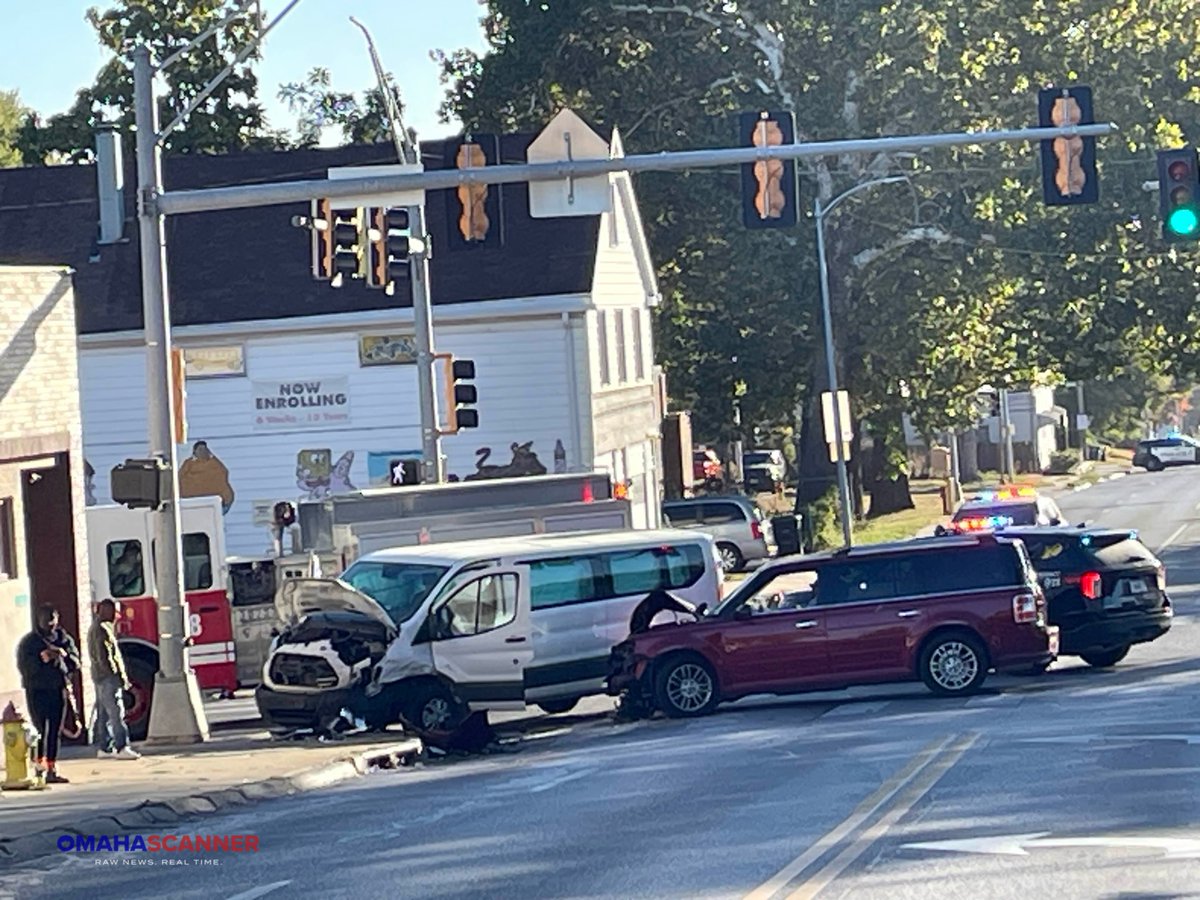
(172, 811)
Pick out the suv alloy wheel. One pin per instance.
(954, 663)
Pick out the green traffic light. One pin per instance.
(1183, 221)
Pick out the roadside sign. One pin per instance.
(568, 139)
(843, 414)
(1082, 422)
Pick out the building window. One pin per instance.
(8, 541)
(622, 356)
(639, 347)
(602, 347)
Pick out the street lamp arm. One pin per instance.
(203, 36)
(847, 194)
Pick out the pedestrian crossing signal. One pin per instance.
(1069, 175)
(770, 189)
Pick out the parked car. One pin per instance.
(763, 470)
(706, 469)
(944, 610)
(738, 526)
(1157, 454)
(1105, 589)
(1004, 508)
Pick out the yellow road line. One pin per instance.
(918, 789)
(861, 813)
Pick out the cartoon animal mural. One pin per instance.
(203, 475)
(524, 462)
(318, 477)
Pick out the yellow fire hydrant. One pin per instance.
(20, 749)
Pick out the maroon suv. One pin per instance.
(945, 610)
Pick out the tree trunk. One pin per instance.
(887, 475)
(817, 473)
(968, 455)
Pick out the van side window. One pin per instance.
(857, 580)
(126, 577)
(721, 513)
(983, 568)
(553, 582)
(635, 572)
(197, 562)
(482, 605)
(685, 565)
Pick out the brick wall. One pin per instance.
(39, 417)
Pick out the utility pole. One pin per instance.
(1081, 421)
(176, 712)
(1008, 464)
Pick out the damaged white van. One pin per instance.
(429, 634)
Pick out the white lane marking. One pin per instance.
(260, 891)
(871, 805)
(1173, 538)
(1020, 844)
(854, 709)
(813, 886)
(562, 779)
(991, 699)
(1081, 487)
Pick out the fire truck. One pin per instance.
(120, 550)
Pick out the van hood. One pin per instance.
(301, 596)
(656, 602)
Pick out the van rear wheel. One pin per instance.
(731, 557)
(558, 707)
(1103, 659)
(954, 663)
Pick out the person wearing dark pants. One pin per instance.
(46, 658)
(110, 681)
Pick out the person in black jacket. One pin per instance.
(46, 658)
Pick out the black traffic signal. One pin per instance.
(463, 413)
(392, 246)
(139, 483)
(1068, 163)
(474, 211)
(1179, 194)
(349, 244)
(770, 189)
(404, 471)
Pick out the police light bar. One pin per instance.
(981, 523)
(1012, 493)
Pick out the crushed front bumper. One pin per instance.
(292, 710)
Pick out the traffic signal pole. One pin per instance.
(431, 437)
(176, 712)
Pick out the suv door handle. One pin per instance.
(515, 640)
(908, 614)
(807, 623)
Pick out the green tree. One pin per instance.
(964, 279)
(12, 112)
(230, 119)
(317, 106)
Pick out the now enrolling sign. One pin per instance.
(303, 403)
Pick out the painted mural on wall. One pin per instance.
(318, 476)
(524, 462)
(204, 475)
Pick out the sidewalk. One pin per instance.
(169, 784)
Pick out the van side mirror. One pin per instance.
(442, 618)
(940, 531)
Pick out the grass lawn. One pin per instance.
(901, 525)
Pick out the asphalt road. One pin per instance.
(1077, 784)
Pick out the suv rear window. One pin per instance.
(1119, 552)
(1055, 552)
(1019, 513)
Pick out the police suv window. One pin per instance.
(125, 574)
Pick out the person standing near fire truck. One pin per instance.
(46, 658)
(110, 681)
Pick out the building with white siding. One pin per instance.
(555, 313)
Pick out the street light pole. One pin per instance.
(819, 213)
(176, 713)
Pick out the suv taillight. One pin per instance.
(1091, 585)
(755, 530)
(1025, 608)
(1162, 577)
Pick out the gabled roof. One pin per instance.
(252, 263)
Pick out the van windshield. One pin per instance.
(400, 588)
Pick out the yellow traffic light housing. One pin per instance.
(770, 189)
(1069, 176)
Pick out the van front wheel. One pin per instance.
(558, 707)
(685, 686)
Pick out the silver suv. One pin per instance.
(737, 525)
